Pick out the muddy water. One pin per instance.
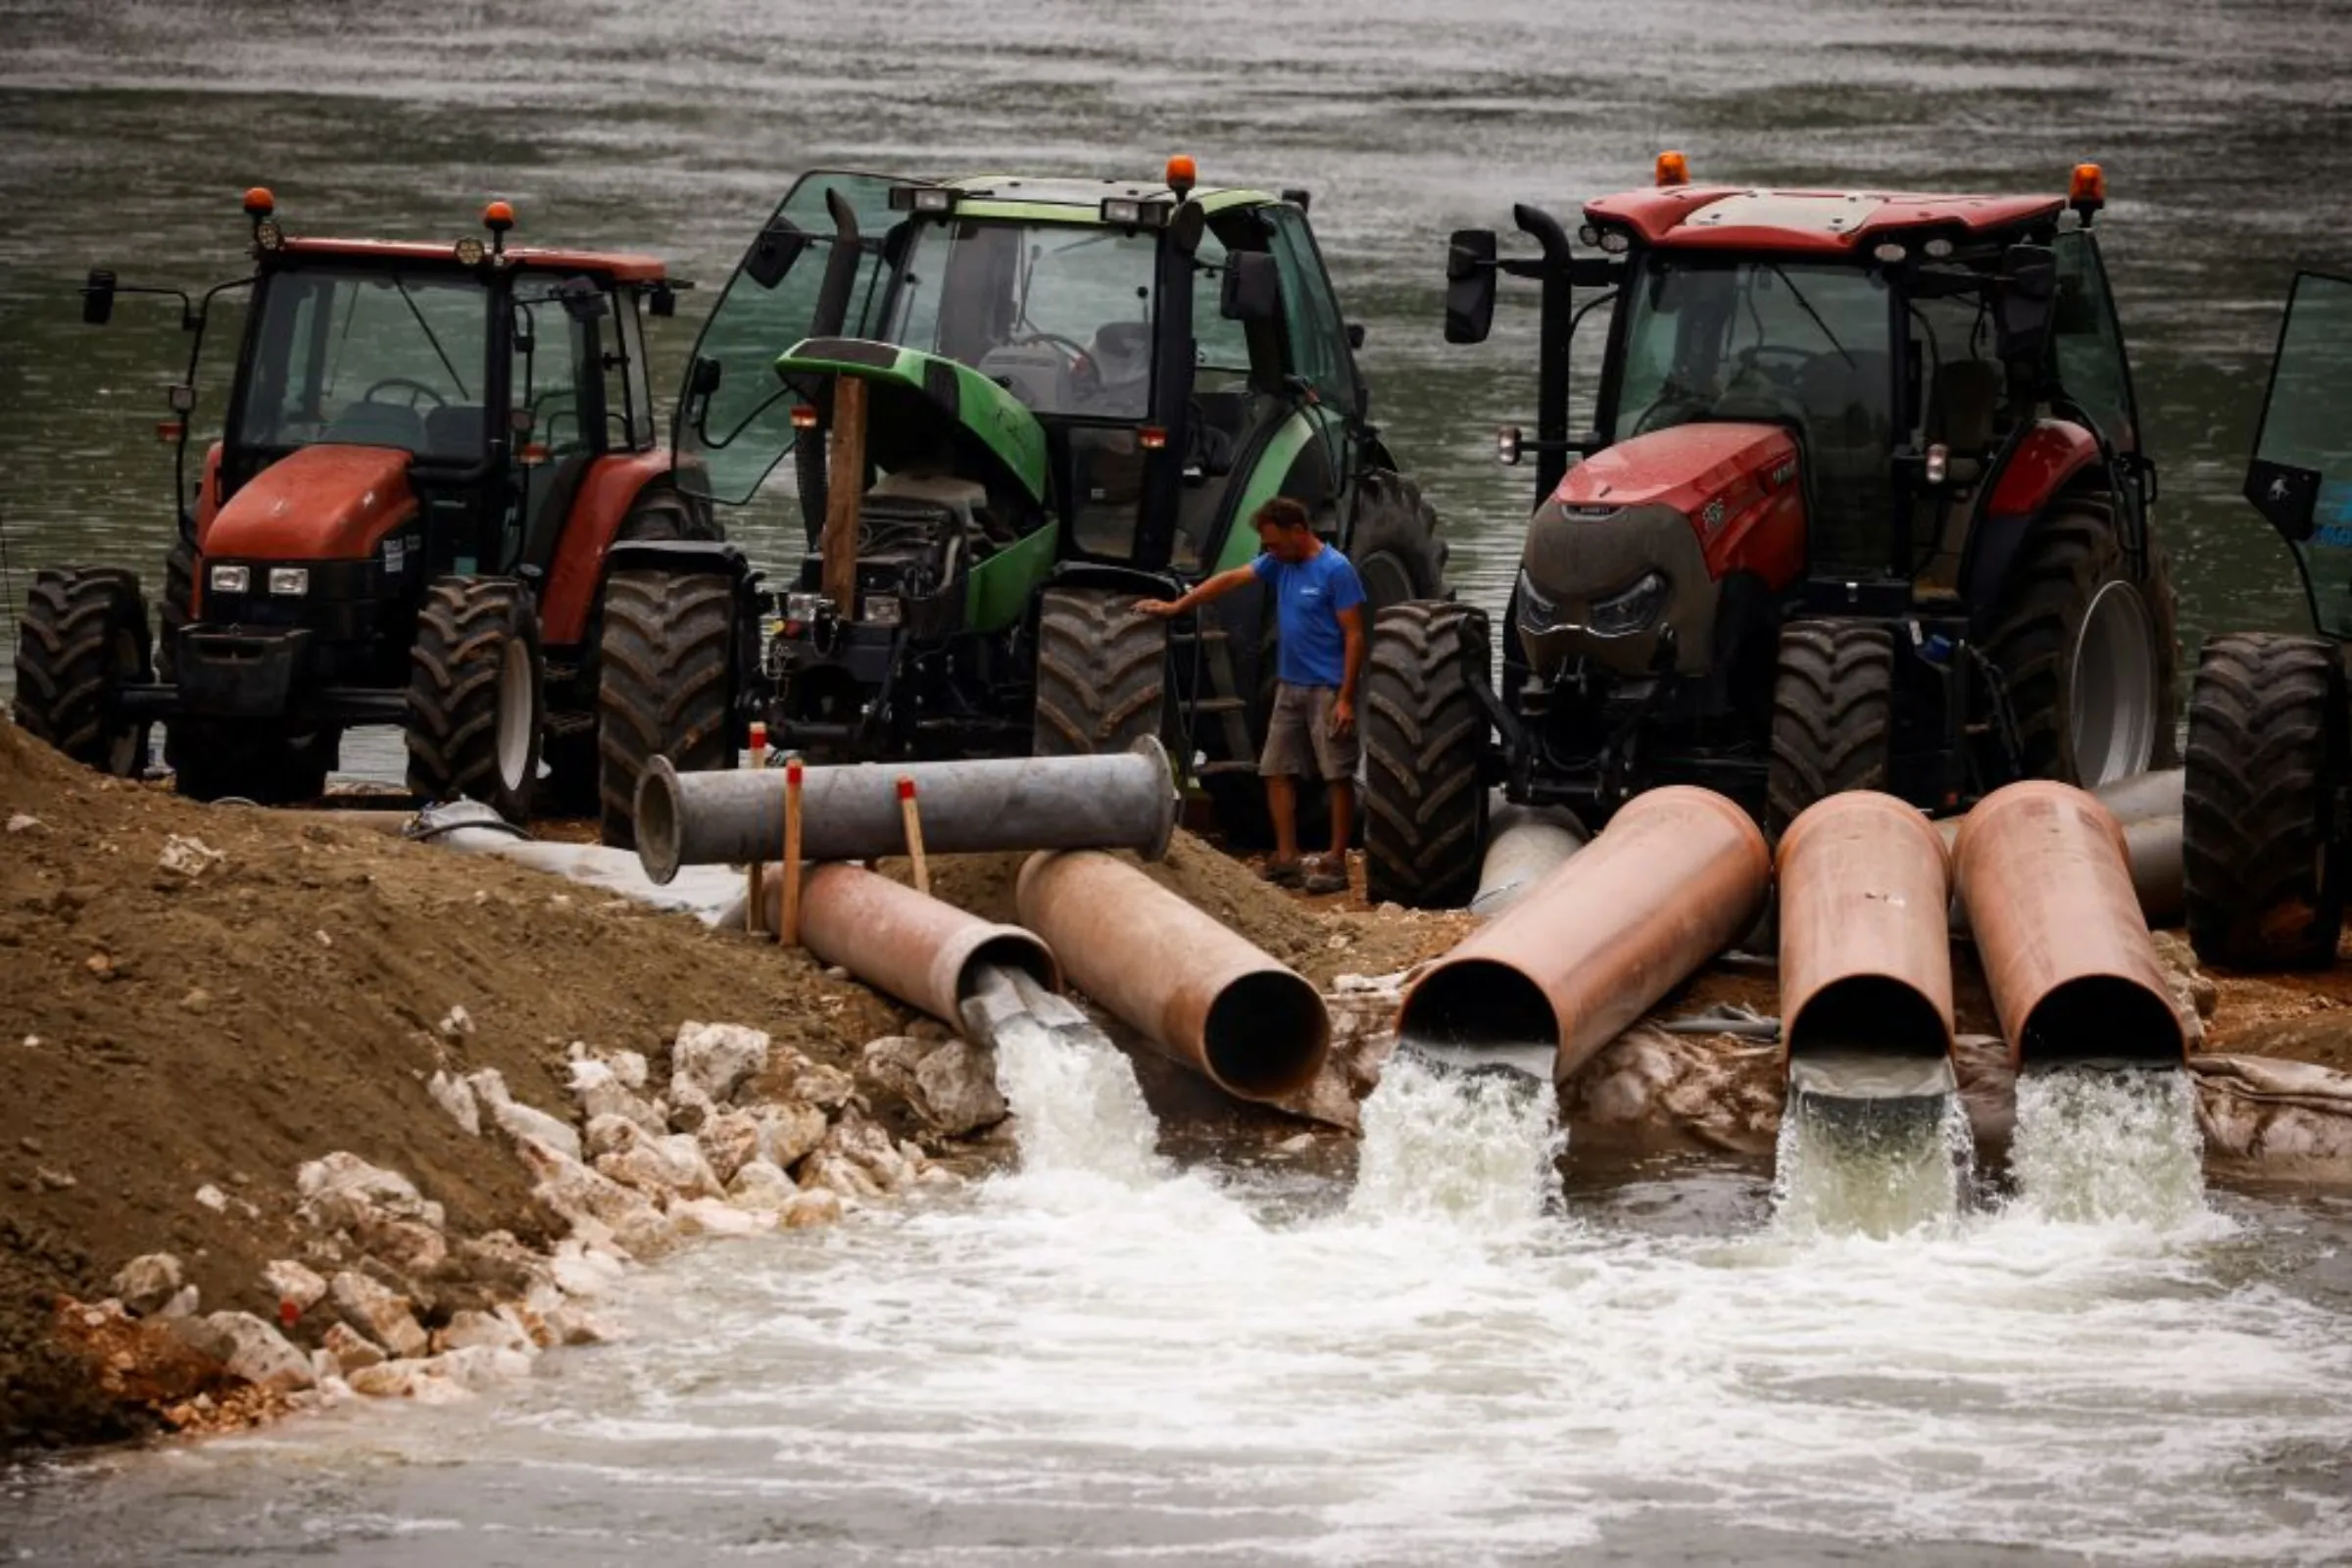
(1245, 1363)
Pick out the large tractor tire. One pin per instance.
(214, 760)
(177, 608)
(665, 686)
(2087, 652)
(82, 638)
(574, 765)
(2259, 841)
(1394, 544)
(478, 702)
(1833, 716)
(1426, 738)
(1102, 674)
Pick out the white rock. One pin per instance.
(574, 1324)
(421, 1381)
(728, 1140)
(789, 1132)
(257, 1352)
(456, 1021)
(663, 1168)
(716, 1058)
(26, 822)
(341, 1191)
(843, 1177)
(760, 1185)
(956, 1090)
(213, 1198)
(189, 857)
(707, 1216)
(613, 1135)
(376, 1312)
(493, 1331)
(476, 1367)
(827, 1087)
(689, 1108)
(408, 1245)
(147, 1282)
(182, 1303)
(569, 1188)
(520, 1121)
(628, 1066)
(586, 1273)
(489, 1086)
(600, 1092)
(350, 1348)
(455, 1095)
(816, 1206)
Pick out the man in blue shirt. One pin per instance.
(1319, 612)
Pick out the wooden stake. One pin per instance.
(755, 914)
(915, 833)
(844, 488)
(788, 929)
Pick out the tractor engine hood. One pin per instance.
(1625, 562)
(322, 503)
(927, 414)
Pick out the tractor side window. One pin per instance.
(2301, 475)
(551, 366)
(1317, 337)
(371, 358)
(2087, 343)
(1220, 345)
(628, 410)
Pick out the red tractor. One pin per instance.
(1862, 504)
(426, 454)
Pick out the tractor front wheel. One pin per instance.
(1833, 716)
(1395, 546)
(665, 684)
(478, 702)
(1425, 749)
(82, 638)
(2263, 870)
(1102, 674)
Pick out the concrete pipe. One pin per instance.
(2066, 950)
(1677, 875)
(903, 943)
(1866, 959)
(1201, 994)
(1525, 844)
(1122, 800)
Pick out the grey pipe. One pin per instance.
(1525, 844)
(1122, 800)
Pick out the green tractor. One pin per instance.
(1046, 398)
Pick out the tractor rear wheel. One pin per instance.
(1425, 752)
(1395, 544)
(666, 683)
(477, 703)
(1833, 716)
(2265, 870)
(83, 637)
(1102, 674)
(2086, 657)
(177, 608)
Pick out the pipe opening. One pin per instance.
(1478, 1002)
(1009, 950)
(1873, 1013)
(2103, 1017)
(1266, 1034)
(658, 820)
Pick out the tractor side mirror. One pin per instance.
(1252, 287)
(1356, 335)
(1470, 285)
(98, 297)
(702, 377)
(2027, 301)
(775, 252)
(661, 300)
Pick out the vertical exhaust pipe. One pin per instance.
(1201, 994)
(906, 944)
(1675, 878)
(2049, 891)
(1866, 960)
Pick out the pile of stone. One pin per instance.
(738, 1138)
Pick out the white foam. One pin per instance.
(1478, 1148)
(1871, 1167)
(2100, 1146)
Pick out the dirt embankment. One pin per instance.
(177, 1041)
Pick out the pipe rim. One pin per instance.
(1479, 1003)
(2129, 1020)
(655, 811)
(1265, 1006)
(1909, 1021)
(1007, 947)
(1165, 833)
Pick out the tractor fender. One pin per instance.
(606, 492)
(681, 556)
(1118, 579)
(2041, 460)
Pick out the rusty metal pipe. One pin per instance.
(906, 944)
(1676, 877)
(1525, 844)
(2148, 806)
(1198, 992)
(2043, 874)
(1866, 959)
(1120, 800)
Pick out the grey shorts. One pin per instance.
(1298, 737)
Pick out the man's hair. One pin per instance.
(1282, 513)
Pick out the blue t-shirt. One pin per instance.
(1307, 600)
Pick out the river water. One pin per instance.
(1449, 1358)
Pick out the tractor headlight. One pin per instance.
(882, 610)
(805, 607)
(1633, 610)
(232, 579)
(290, 581)
(1536, 613)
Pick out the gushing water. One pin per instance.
(2099, 1146)
(1475, 1148)
(1079, 1109)
(1871, 1167)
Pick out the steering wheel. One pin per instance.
(1082, 359)
(401, 383)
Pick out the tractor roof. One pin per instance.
(1076, 200)
(1728, 218)
(621, 266)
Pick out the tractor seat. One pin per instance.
(377, 424)
(455, 431)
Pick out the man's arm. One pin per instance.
(1351, 628)
(1218, 587)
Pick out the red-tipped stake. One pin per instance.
(754, 912)
(915, 833)
(788, 929)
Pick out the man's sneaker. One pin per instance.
(1324, 877)
(1282, 873)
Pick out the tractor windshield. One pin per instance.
(1060, 313)
(1785, 342)
(370, 356)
